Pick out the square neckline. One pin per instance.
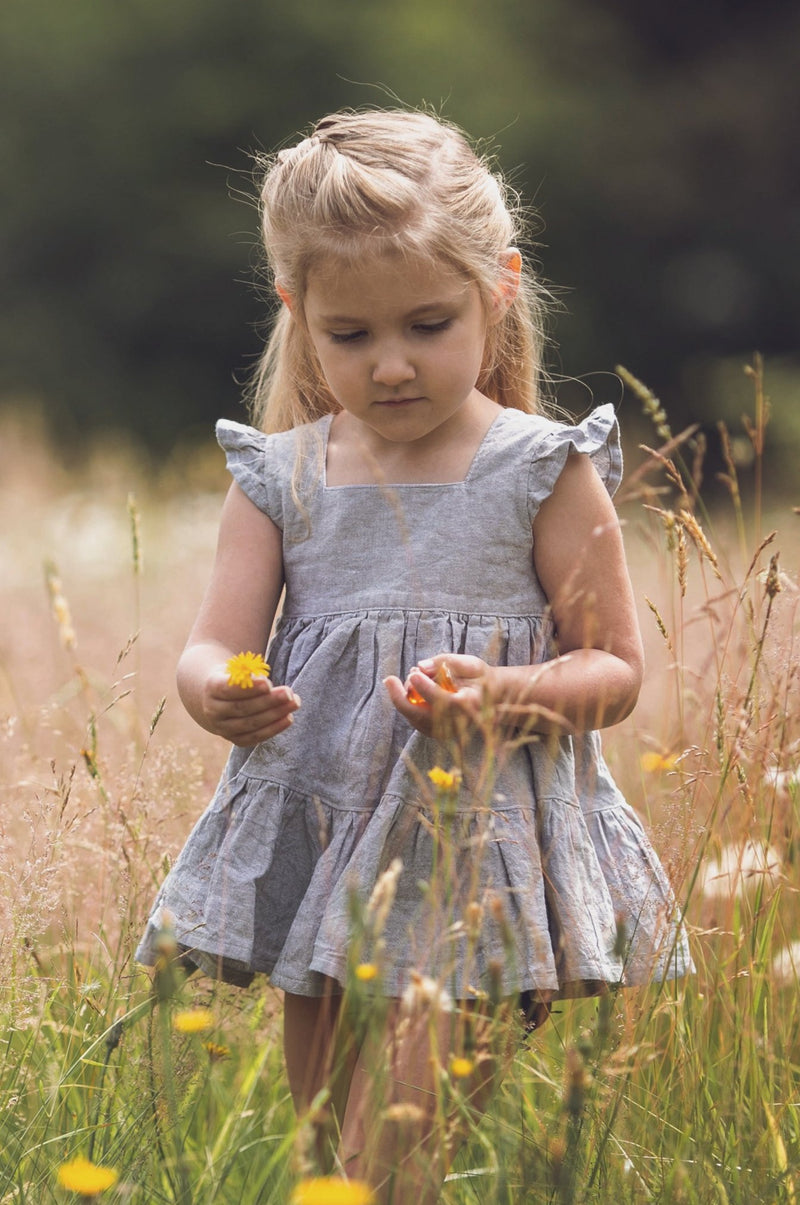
(406, 485)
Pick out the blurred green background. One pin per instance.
(658, 141)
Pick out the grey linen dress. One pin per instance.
(536, 875)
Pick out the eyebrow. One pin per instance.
(418, 312)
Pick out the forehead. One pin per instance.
(388, 277)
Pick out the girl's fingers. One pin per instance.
(264, 714)
(420, 685)
(422, 716)
(255, 702)
(247, 720)
(250, 730)
(429, 708)
(261, 689)
(405, 695)
(247, 739)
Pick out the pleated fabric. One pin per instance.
(535, 875)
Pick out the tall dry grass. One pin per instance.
(681, 1092)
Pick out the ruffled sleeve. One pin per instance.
(597, 436)
(249, 459)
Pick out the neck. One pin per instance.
(358, 455)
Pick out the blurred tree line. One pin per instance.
(658, 143)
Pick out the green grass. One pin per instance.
(680, 1092)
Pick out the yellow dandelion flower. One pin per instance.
(193, 1020)
(244, 667)
(366, 972)
(330, 1190)
(215, 1052)
(461, 1068)
(444, 780)
(86, 1178)
(654, 763)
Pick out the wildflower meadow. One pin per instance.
(117, 1086)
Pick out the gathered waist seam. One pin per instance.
(357, 613)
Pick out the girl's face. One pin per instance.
(400, 342)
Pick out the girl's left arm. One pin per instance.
(594, 680)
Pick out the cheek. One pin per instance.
(342, 367)
(340, 373)
(328, 358)
(465, 360)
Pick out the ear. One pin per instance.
(508, 285)
(283, 294)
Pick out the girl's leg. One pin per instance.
(405, 1118)
(315, 1060)
(309, 1027)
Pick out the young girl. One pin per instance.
(436, 814)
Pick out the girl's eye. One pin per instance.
(434, 328)
(422, 328)
(345, 336)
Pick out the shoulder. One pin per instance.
(596, 437)
(266, 466)
(541, 433)
(591, 432)
(239, 437)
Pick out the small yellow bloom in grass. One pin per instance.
(86, 1178)
(244, 667)
(653, 763)
(366, 972)
(329, 1190)
(193, 1020)
(444, 780)
(461, 1068)
(215, 1052)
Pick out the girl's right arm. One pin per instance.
(236, 616)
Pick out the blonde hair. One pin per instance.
(378, 182)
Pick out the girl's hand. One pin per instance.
(245, 715)
(442, 712)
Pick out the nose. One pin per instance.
(392, 365)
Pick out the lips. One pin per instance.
(398, 401)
